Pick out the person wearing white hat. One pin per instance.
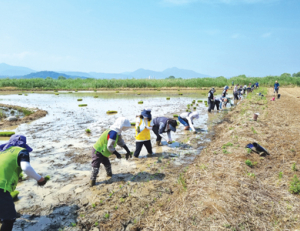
(186, 119)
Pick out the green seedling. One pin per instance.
(249, 163)
(81, 215)
(111, 112)
(94, 205)
(225, 151)
(122, 200)
(106, 215)
(253, 130)
(116, 207)
(117, 92)
(251, 175)
(227, 145)
(79, 99)
(73, 224)
(20, 94)
(101, 201)
(181, 180)
(6, 134)
(132, 123)
(139, 93)
(140, 102)
(96, 223)
(96, 96)
(175, 116)
(95, 90)
(180, 94)
(56, 94)
(70, 92)
(294, 168)
(135, 221)
(87, 130)
(280, 175)
(295, 185)
(168, 98)
(82, 105)
(248, 150)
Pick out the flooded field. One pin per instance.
(61, 147)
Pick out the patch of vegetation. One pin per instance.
(82, 105)
(79, 99)
(168, 98)
(96, 96)
(182, 181)
(175, 116)
(87, 130)
(56, 94)
(20, 94)
(280, 175)
(140, 102)
(253, 130)
(251, 175)
(117, 92)
(249, 163)
(180, 94)
(6, 134)
(225, 151)
(227, 145)
(294, 168)
(106, 215)
(295, 185)
(132, 123)
(249, 150)
(111, 112)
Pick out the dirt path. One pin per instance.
(222, 192)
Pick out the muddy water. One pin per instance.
(61, 146)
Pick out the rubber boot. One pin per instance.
(108, 171)
(158, 143)
(95, 172)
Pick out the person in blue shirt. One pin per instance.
(276, 87)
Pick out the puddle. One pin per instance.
(61, 147)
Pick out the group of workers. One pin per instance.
(161, 126)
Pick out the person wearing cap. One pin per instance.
(186, 118)
(276, 87)
(210, 99)
(14, 159)
(163, 125)
(143, 126)
(105, 146)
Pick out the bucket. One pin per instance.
(255, 116)
(278, 96)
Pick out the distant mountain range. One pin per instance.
(24, 72)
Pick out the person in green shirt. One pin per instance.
(105, 146)
(14, 159)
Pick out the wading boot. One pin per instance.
(108, 171)
(158, 143)
(92, 183)
(95, 172)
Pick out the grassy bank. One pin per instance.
(230, 188)
(85, 84)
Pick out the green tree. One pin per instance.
(171, 77)
(296, 74)
(61, 77)
(286, 75)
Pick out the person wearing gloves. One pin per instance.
(218, 103)
(105, 146)
(210, 100)
(143, 126)
(186, 118)
(163, 125)
(14, 158)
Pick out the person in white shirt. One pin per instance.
(186, 118)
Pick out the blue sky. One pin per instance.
(214, 37)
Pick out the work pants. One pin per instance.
(139, 145)
(97, 159)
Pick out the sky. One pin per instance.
(213, 37)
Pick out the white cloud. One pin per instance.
(266, 35)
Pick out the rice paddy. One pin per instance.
(6, 134)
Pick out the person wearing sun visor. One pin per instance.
(105, 146)
(14, 158)
(163, 125)
(143, 127)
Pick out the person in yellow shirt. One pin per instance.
(143, 127)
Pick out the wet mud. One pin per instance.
(62, 149)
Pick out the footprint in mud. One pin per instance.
(60, 218)
(139, 177)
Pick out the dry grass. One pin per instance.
(223, 193)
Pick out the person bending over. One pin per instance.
(186, 118)
(143, 126)
(105, 146)
(163, 125)
(14, 159)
